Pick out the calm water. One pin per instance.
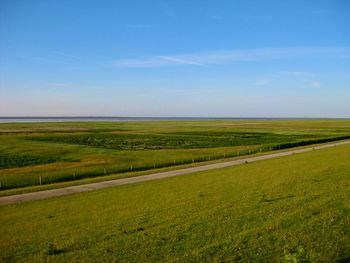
(76, 119)
(116, 119)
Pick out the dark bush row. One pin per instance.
(171, 141)
(308, 142)
(21, 160)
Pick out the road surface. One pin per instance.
(12, 199)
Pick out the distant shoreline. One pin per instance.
(121, 119)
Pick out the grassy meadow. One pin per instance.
(46, 153)
(289, 209)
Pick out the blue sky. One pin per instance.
(175, 58)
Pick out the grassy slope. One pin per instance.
(291, 208)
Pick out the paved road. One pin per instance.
(100, 185)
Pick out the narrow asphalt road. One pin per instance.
(12, 199)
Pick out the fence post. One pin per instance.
(74, 175)
(224, 155)
(192, 159)
(174, 162)
(40, 180)
(130, 168)
(104, 171)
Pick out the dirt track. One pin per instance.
(100, 185)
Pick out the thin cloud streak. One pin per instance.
(229, 56)
(66, 55)
(56, 84)
(181, 61)
(296, 73)
(315, 84)
(252, 17)
(140, 26)
(215, 17)
(43, 59)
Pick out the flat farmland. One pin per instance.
(49, 153)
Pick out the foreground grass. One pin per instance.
(291, 209)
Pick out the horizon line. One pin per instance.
(162, 117)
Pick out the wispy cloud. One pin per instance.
(60, 84)
(140, 26)
(180, 60)
(245, 17)
(315, 84)
(229, 56)
(216, 17)
(252, 17)
(262, 82)
(296, 73)
(44, 59)
(55, 57)
(66, 55)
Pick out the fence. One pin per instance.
(10, 182)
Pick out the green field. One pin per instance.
(290, 209)
(47, 153)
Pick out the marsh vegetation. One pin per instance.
(46, 153)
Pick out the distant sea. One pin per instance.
(76, 119)
(118, 119)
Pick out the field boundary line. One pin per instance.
(12, 199)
